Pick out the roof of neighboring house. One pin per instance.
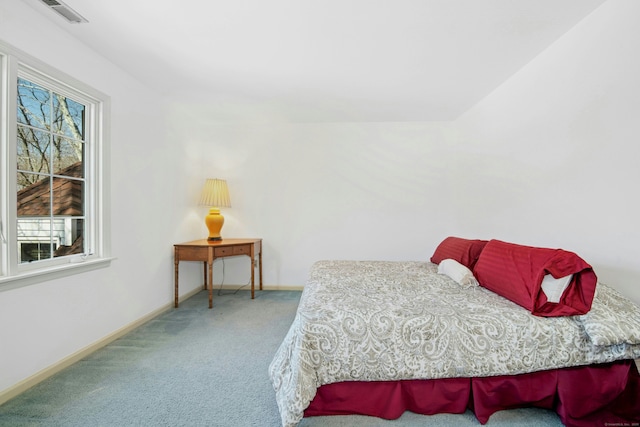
(76, 247)
(67, 195)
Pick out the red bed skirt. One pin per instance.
(585, 396)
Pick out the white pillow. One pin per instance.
(458, 272)
(554, 288)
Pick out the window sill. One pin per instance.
(57, 272)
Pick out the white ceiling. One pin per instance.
(324, 60)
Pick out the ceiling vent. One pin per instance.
(65, 11)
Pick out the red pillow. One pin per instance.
(465, 251)
(516, 273)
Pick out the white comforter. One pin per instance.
(378, 320)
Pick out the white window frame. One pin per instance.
(13, 64)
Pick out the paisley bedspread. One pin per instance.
(385, 320)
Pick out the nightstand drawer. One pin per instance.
(224, 251)
(232, 250)
(192, 254)
(242, 250)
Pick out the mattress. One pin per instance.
(389, 321)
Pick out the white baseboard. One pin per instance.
(264, 287)
(42, 375)
(283, 288)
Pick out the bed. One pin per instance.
(380, 337)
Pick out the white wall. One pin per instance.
(546, 160)
(318, 191)
(552, 155)
(43, 323)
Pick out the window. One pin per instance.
(50, 173)
(53, 172)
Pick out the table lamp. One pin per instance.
(215, 194)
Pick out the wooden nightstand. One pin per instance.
(207, 252)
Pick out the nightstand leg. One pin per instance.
(253, 278)
(210, 284)
(260, 266)
(176, 261)
(204, 264)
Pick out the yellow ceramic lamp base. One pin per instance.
(214, 223)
